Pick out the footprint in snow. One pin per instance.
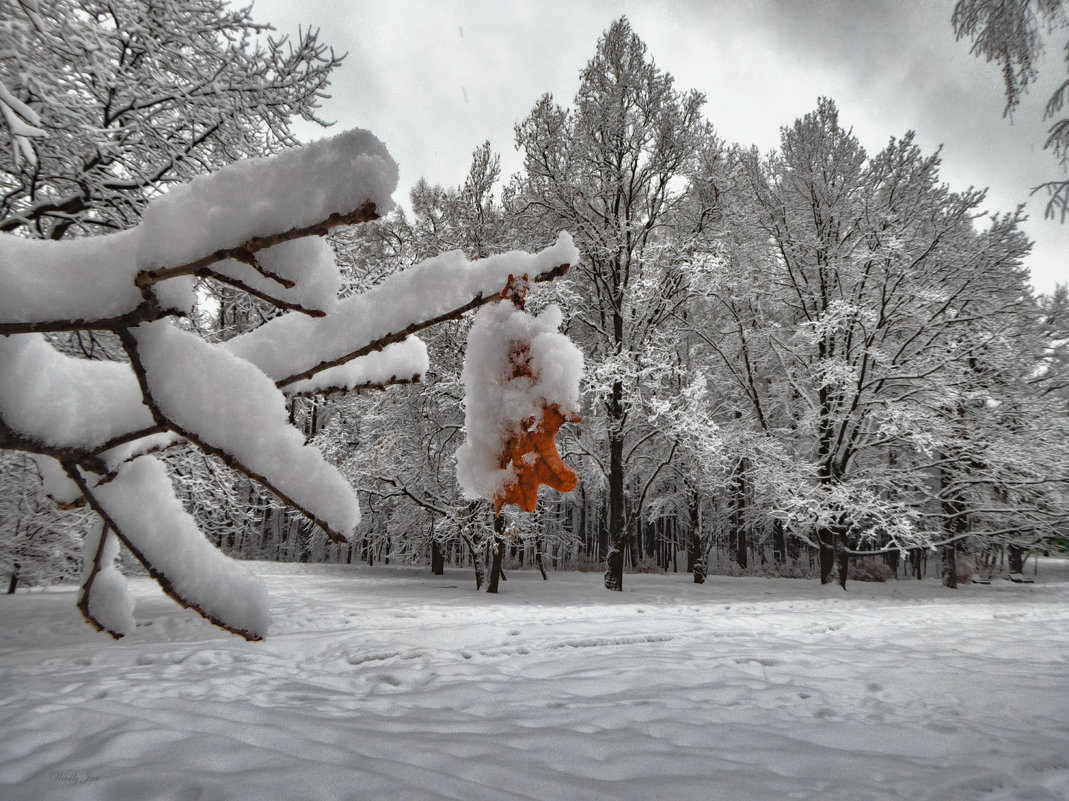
(386, 678)
(763, 661)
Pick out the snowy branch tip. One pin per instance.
(244, 208)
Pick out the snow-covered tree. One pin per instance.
(878, 290)
(256, 225)
(1002, 457)
(40, 539)
(610, 170)
(104, 103)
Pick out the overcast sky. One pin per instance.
(435, 79)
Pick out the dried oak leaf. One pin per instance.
(535, 461)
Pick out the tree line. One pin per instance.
(795, 360)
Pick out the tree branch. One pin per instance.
(165, 583)
(398, 336)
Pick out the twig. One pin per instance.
(392, 381)
(83, 601)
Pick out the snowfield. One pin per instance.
(394, 684)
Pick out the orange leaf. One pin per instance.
(535, 461)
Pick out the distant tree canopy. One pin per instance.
(812, 352)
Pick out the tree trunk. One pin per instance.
(618, 540)
(844, 565)
(891, 559)
(699, 570)
(674, 545)
(950, 566)
(1016, 559)
(437, 559)
(475, 560)
(954, 524)
(498, 552)
(13, 582)
(827, 554)
(695, 547)
(738, 544)
(779, 542)
(739, 547)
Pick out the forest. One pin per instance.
(817, 361)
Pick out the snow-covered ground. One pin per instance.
(393, 684)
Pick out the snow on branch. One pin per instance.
(105, 599)
(256, 225)
(140, 507)
(65, 402)
(229, 408)
(118, 280)
(400, 363)
(22, 124)
(439, 289)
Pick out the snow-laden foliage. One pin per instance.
(102, 104)
(1014, 36)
